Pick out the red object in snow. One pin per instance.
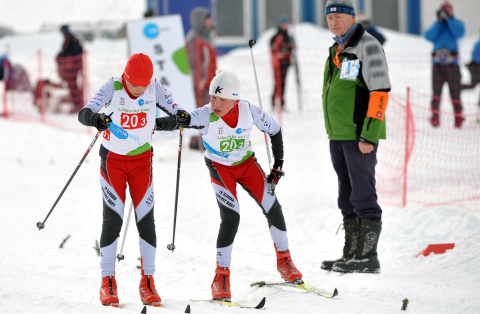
(436, 249)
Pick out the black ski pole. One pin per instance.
(120, 256)
(171, 246)
(41, 225)
(252, 43)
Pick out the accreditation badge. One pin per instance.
(350, 69)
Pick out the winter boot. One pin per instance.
(221, 284)
(286, 268)
(365, 259)
(351, 239)
(148, 293)
(108, 291)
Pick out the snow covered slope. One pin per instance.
(36, 276)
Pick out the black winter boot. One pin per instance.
(365, 259)
(351, 238)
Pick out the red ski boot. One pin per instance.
(221, 284)
(148, 293)
(108, 291)
(286, 268)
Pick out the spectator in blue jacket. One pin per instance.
(474, 68)
(445, 34)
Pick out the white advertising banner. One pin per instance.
(162, 39)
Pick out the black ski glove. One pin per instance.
(166, 124)
(101, 121)
(442, 15)
(276, 173)
(183, 118)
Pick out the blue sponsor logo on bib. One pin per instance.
(141, 102)
(238, 131)
(150, 30)
(118, 131)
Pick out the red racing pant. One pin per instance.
(116, 172)
(251, 177)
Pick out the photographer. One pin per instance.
(445, 34)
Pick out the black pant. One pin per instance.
(357, 196)
(280, 73)
(474, 69)
(450, 74)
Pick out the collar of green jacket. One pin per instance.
(355, 37)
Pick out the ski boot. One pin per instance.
(286, 268)
(365, 259)
(221, 284)
(148, 293)
(351, 239)
(108, 291)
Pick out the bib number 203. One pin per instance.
(134, 121)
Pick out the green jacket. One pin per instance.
(345, 102)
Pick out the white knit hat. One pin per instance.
(225, 84)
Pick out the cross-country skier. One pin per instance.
(226, 123)
(126, 157)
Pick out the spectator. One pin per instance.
(355, 98)
(14, 76)
(282, 46)
(445, 34)
(474, 68)
(70, 64)
(366, 22)
(202, 60)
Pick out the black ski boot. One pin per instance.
(351, 238)
(365, 259)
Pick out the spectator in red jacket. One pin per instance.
(202, 59)
(281, 46)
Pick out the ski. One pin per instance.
(299, 284)
(226, 302)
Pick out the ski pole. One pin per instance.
(120, 256)
(252, 43)
(41, 225)
(172, 245)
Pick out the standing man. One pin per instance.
(445, 34)
(202, 60)
(355, 97)
(282, 46)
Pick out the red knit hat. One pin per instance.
(139, 70)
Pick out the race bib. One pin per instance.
(350, 69)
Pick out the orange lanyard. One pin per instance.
(336, 60)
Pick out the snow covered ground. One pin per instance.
(36, 160)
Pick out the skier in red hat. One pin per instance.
(127, 123)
